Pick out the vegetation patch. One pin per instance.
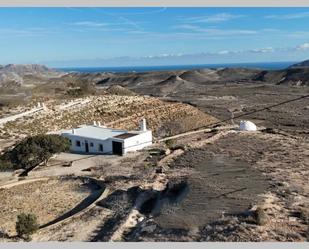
(26, 225)
(119, 90)
(33, 151)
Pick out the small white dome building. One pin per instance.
(246, 125)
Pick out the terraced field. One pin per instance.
(164, 118)
(46, 199)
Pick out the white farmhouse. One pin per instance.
(97, 139)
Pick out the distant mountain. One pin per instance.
(164, 83)
(303, 64)
(23, 69)
(160, 83)
(18, 74)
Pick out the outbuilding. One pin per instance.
(246, 125)
(97, 139)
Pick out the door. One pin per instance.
(86, 147)
(117, 148)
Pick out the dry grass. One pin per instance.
(122, 112)
(46, 199)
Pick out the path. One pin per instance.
(226, 127)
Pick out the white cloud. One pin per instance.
(124, 26)
(218, 32)
(289, 16)
(304, 46)
(166, 55)
(262, 50)
(215, 53)
(29, 32)
(137, 32)
(160, 10)
(224, 52)
(90, 24)
(220, 17)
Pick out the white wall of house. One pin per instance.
(137, 142)
(93, 144)
(134, 143)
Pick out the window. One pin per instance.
(70, 141)
(91, 144)
(100, 147)
(78, 143)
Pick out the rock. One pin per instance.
(159, 170)
(208, 228)
(167, 151)
(304, 214)
(294, 236)
(140, 219)
(260, 216)
(149, 229)
(219, 229)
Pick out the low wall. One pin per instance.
(73, 103)
(20, 115)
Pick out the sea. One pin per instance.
(140, 69)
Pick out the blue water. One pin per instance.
(261, 65)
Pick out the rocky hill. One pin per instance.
(24, 69)
(290, 76)
(13, 75)
(168, 82)
(160, 83)
(303, 64)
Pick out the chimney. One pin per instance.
(94, 123)
(99, 123)
(143, 125)
(73, 131)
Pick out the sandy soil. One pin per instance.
(226, 178)
(71, 230)
(229, 179)
(46, 199)
(221, 101)
(227, 175)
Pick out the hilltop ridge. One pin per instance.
(303, 64)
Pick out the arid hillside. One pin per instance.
(125, 112)
(214, 183)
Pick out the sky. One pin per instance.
(93, 37)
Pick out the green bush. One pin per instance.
(32, 151)
(26, 225)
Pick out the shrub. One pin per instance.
(260, 217)
(82, 89)
(179, 147)
(170, 143)
(32, 151)
(26, 225)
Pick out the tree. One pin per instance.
(26, 225)
(33, 150)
